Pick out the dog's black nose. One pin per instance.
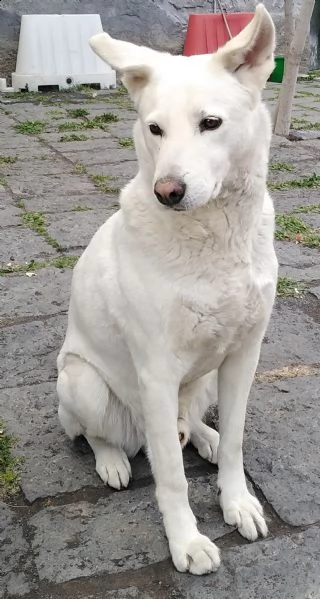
(169, 191)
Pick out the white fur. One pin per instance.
(169, 307)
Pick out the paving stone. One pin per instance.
(312, 219)
(95, 136)
(15, 570)
(59, 184)
(114, 535)
(77, 228)
(123, 172)
(36, 151)
(284, 567)
(288, 200)
(9, 216)
(10, 141)
(52, 463)
(48, 292)
(292, 153)
(121, 129)
(301, 168)
(282, 446)
(66, 202)
(109, 155)
(21, 245)
(52, 165)
(28, 351)
(298, 261)
(315, 291)
(304, 135)
(293, 336)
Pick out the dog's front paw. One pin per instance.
(245, 512)
(198, 555)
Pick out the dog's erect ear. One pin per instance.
(250, 54)
(134, 63)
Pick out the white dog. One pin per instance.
(172, 297)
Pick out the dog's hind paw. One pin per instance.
(113, 467)
(246, 513)
(206, 441)
(198, 556)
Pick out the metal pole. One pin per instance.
(224, 19)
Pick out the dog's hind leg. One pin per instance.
(193, 403)
(88, 407)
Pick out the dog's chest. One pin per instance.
(215, 317)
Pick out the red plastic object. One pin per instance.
(207, 32)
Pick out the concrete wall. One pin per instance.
(158, 23)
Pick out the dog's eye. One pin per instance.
(210, 123)
(155, 129)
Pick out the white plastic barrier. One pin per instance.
(54, 53)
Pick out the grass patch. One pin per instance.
(33, 265)
(7, 159)
(73, 137)
(280, 166)
(77, 113)
(309, 208)
(305, 125)
(79, 169)
(20, 204)
(102, 182)
(30, 127)
(310, 181)
(37, 222)
(75, 126)
(106, 117)
(292, 228)
(3, 182)
(98, 122)
(81, 208)
(9, 465)
(126, 142)
(287, 287)
(56, 114)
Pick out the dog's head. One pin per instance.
(199, 116)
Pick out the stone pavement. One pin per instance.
(62, 159)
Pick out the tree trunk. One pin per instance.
(288, 87)
(289, 25)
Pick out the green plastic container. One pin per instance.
(277, 74)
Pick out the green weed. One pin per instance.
(305, 125)
(310, 181)
(79, 168)
(126, 142)
(7, 159)
(37, 222)
(288, 287)
(77, 113)
(9, 465)
(30, 127)
(308, 209)
(102, 182)
(81, 208)
(280, 166)
(292, 228)
(33, 265)
(73, 137)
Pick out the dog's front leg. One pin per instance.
(235, 378)
(190, 550)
